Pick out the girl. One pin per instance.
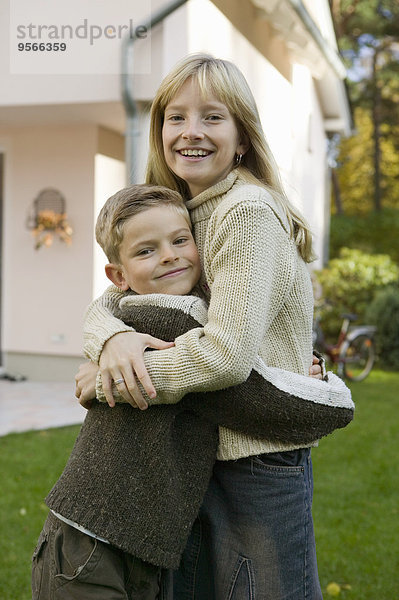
(253, 537)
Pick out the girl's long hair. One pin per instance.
(225, 81)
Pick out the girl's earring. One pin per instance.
(238, 159)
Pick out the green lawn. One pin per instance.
(355, 500)
(356, 495)
(29, 465)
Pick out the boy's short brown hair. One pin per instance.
(124, 205)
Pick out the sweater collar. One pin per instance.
(204, 204)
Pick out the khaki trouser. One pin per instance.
(70, 565)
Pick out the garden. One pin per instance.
(356, 477)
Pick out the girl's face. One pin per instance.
(200, 138)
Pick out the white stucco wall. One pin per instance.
(308, 167)
(45, 291)
(110, 176)
(56, 87)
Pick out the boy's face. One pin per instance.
(158, 254)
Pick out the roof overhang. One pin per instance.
(292, 22)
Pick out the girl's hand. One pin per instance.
(86, 384)
(315, 370)
(122, 361)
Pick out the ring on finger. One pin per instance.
(118, 381)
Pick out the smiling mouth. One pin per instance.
(194, 152)
(173, 273)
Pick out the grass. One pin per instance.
(30, 463)
(355, 500)
(356, 495)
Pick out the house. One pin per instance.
(63, 127)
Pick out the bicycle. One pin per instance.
(354, 353)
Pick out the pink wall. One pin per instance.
(46, 291)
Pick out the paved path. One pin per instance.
(30, 405)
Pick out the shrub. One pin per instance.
(384, 313)
(349, 284)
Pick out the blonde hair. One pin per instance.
(225, 81)
(126, 204)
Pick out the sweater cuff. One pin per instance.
(93, 345)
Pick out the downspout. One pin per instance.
(129, 102)
(328, 52)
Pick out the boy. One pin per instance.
(124, 505)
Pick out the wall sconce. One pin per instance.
(48, 219)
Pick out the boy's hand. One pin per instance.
(122, 361)
(86, 384)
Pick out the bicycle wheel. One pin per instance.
(358, 357)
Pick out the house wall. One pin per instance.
(308, 169)
(246, 19)
(56, 88)
(46, 291)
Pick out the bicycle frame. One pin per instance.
(338, 352)
(332, 350)
(361, 330)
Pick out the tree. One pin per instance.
(355, 168)
(368, 36)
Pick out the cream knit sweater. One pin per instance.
(260, 302)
